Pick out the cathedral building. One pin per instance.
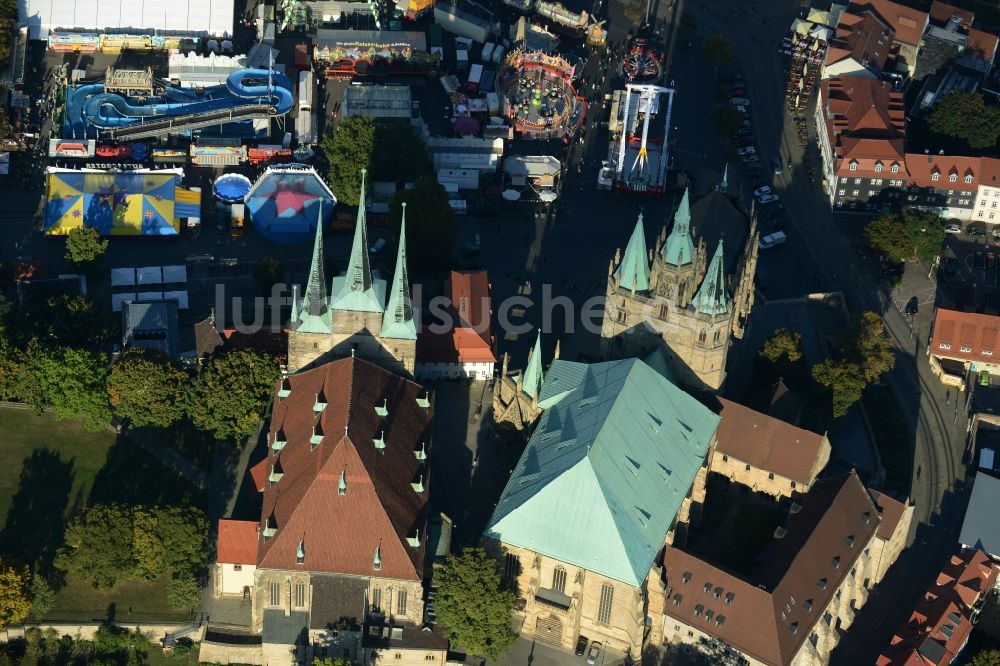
(674, 295)
(356, 316)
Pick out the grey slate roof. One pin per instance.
(151, 325)
(981, 527)
(280, 629)
(337, 597)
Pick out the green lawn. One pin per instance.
(130, 601)
(891, 436)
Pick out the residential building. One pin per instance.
(236, 557)
(615, 468)
(800, 595)
(860, 47)
(461, 344)
(861, 125)
(340, 542)
(942, 184)
(988, 194)
(672, 296)
(908, 25)
(963, 343)
(354, 318)
(940, 625)
(767, 454)
(980, 528)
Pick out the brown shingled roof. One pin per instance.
(908, 22)
(922, 167)
(865, 123)
(891, 511)
(836, 520)
(941, 13)
(767, 442)
(968, 336)
(380, 508)
(984, 44)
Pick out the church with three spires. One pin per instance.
(671, 295)
(356, 315)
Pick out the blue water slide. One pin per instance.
(90, 105)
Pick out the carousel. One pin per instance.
(538, 95)
(642, 63)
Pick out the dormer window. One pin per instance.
(276, 473)
(377, 558)
(279, 440)
(878, 167)
(317, 435)
(413, 541)
(285, 390)
(270, 528)
(944, 345)
(853, 166)
(421, 453)
(300, 552)
(342, 484)
(953, 178)
(968, 178)
(379, 441)
(320, 403)
(935, 176)
(418, 485)
(894, 168)
(383, 409)
(424, 399)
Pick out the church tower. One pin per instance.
(668, 295)
(354, 319)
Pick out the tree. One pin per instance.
(844, 380)
(689, 21)
(726, 121)
(331, 661)
(472, 604)
(430, 224)
(183, 591)
(230, 393)
(717, 49)
(268, 272)
(869, 347)
(43, 597)
(69, 381)
(783, 344)
(99, 546)
(966, 116)
(348, 149)
(84, 246)
(147, 548)
(888, 234)
(399, 152)
(927, 231)
(146, 389)
(15, 598)
(183, 532)
(71, 320)
(986, 658)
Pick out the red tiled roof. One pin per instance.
(968, 336)
(943, 614)
(941, 13)
(908, 22)
(380, 508)
(982, 43)
(470, 337)
(989, 172)
(837, 511)
(862, 36)
(922, 167)
(891, 511)
(259, 474)
(865, 124)
(766, 442)
(237, 542)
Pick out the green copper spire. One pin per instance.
(678, 250)
(724, 185)
(633, 272)
(531, 382)
(711, 298)
(356, 291)
(398, 321)
(314, 316)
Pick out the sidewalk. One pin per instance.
(156, 447)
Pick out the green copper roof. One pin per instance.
(314, 316)
(356, 290)
(678, 249)
(633, 272)
(724, 184)
(607, 469)
(711, 298)
(398, 321)
(532, 379)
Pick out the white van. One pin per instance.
(770, 240)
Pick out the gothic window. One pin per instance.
(663, 311)
(680, 292)
(275, 593)
(377, 598)
(401, 603)
(717, 337)
(702, 334)
(622, 316)
(300, 595)
(604, 608)
(511, 566)
(559, 579)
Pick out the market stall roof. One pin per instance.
(122, 277)
(174, 274)
(177, 17)
(149, 275)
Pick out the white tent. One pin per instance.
(180, 296)
(118, 299)
(122, 277)
(150, 295)
(194, 17)
(149, 275)
(174, 274)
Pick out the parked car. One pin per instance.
(893, 270)
(581, 645)
(772, 240)
(745, 132)
(761, 191)
(742, 109)
(975, 231)
(776, 163)
(739, 101)
(595, 652)
(745, 141)
(953, 229)
(769, 198)
(747, 150)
